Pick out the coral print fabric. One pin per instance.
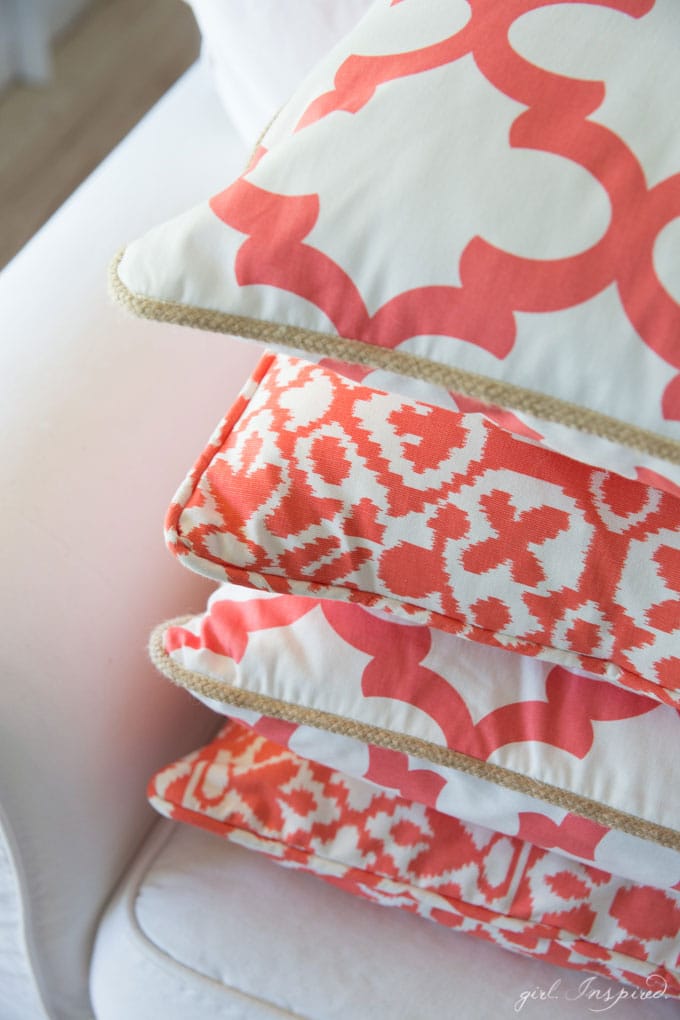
(320, 486)
(484, 195)
(398, 853)
(488, 736)
(509, 742)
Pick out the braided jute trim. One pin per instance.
(219, 691)
(479, 387)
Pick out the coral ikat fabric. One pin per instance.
(320, 486)
(482, 194)
(505, 741)
(398, 853)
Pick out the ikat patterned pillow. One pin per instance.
(533, 750)
(398, 853)
(483, 195)
(316, 485)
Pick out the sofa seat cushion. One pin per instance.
(201, 927)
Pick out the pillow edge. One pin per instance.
(358, 352)
(603, 814)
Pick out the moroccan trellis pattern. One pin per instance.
(483, 194)
(494, 738)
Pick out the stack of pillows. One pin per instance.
(444, 512)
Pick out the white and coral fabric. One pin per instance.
(317, 485)
(484, 194)
(501, 740)
(398, 853)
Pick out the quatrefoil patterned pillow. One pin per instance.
(527, 748)
(482, 196)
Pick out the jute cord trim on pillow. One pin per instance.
(302, 715)
(469, 384)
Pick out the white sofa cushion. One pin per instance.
(240, 37)
(201, 928)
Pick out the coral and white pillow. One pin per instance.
(317, 485)
(398, 853)
(509, 742)
(483, 195)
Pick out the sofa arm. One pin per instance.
(100, 417)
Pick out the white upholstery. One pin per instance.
(260, 52)
(19, 996)
(93, 446)
(205, 929)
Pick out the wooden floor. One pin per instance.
(109, 68)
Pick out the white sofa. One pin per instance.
(104, 910)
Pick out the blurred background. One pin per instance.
(75, 77)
